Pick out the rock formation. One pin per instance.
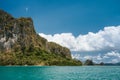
(18, 37)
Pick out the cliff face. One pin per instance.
(19, 36)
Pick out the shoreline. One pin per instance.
(53, 66)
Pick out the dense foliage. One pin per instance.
(36, 57)
(21, 45)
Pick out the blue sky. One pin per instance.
(58, 16)
(89, 28)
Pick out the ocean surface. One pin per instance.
(60, 73)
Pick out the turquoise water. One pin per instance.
(60, 73)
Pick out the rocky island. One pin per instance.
(21, 45)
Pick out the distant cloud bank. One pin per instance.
(107, 39)
(109, 57)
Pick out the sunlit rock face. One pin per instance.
(7, 31)
(14, 31)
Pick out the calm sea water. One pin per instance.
(60, 73)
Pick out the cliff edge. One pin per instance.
(21, 45)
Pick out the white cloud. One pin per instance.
(96, 58)
(88, 57)
(109, 57)
(113, 54)
(106, 44)
(76, 56)
(64, 39)
(108, 38)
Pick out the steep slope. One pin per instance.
(21, 45)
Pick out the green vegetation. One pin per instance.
(36, 58)
(21, 45)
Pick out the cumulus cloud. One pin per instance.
(106, 44)
(108, 38)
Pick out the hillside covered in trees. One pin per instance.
(21, 45)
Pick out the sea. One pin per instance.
(59, 72)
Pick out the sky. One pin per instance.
(89, 28)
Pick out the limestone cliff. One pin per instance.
(18, 37)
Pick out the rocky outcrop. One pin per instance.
(18, 36)
(88, 62)
(57, 49)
